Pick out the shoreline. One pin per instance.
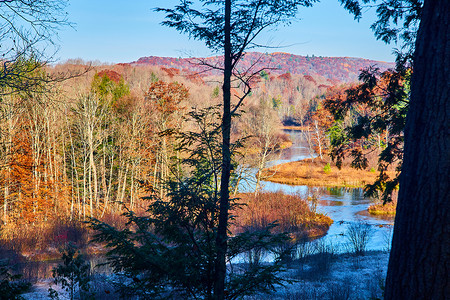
(317, 173)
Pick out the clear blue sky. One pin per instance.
(117, 31)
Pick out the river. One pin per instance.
(345, 206)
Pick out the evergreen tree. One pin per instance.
(171, 251)
(229, 27)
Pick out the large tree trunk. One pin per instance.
(221, 241)
(419, 262)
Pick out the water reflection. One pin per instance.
(35, 270)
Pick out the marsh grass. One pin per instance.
(317, 173)
(383, 209)
(41, 241)
(291, 212)
(358, 234)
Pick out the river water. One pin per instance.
(346, 206)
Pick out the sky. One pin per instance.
(120, 31)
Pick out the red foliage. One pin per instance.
(285, 76)
(112, 75)
(309, 78)
(167, 98)
(171, 71)
(195, 78)
(338, 69)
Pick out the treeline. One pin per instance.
(89, 145)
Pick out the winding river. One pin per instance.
(344, 205)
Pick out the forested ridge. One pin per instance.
(333, 69)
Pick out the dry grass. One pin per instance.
(311, 172)
(291, 212)
(383, 209)
(41, 241)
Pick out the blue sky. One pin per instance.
(117, 31)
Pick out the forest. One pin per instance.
(91, 145)
(108, 139)
(158, 169)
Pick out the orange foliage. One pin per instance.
(167, 96)
(31, 189)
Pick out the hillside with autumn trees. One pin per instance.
(96, 143)
(333, 69)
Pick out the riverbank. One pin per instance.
(328, 276)
(319, 173)
(388, 209)
(316, 276)
(292, 213)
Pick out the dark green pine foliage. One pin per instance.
(11, 285)
(73, 275)
(385, 94)
(229, 27)
(170, 252)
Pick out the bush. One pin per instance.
(54, 233)
(327, 168)
(358, 235)
(11, 286)
(73, 274)
(320, 256)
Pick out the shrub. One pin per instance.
(358, 235)
(320, 256)
(73, 274)
(56, 233)
(324, 257)
(11, 286)
(327, 168)
(383, 208)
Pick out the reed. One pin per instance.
(383, 209)
(291, 212)
(317, 173)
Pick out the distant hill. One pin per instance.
(335, 69)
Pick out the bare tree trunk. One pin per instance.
(10, 129)
(261, 165)
(419, 261)
(221, 240)
(108, 191)
(319, 142)
(93, 182)
(84, 183)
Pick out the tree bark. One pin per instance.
(419, 261)
(221, 240)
